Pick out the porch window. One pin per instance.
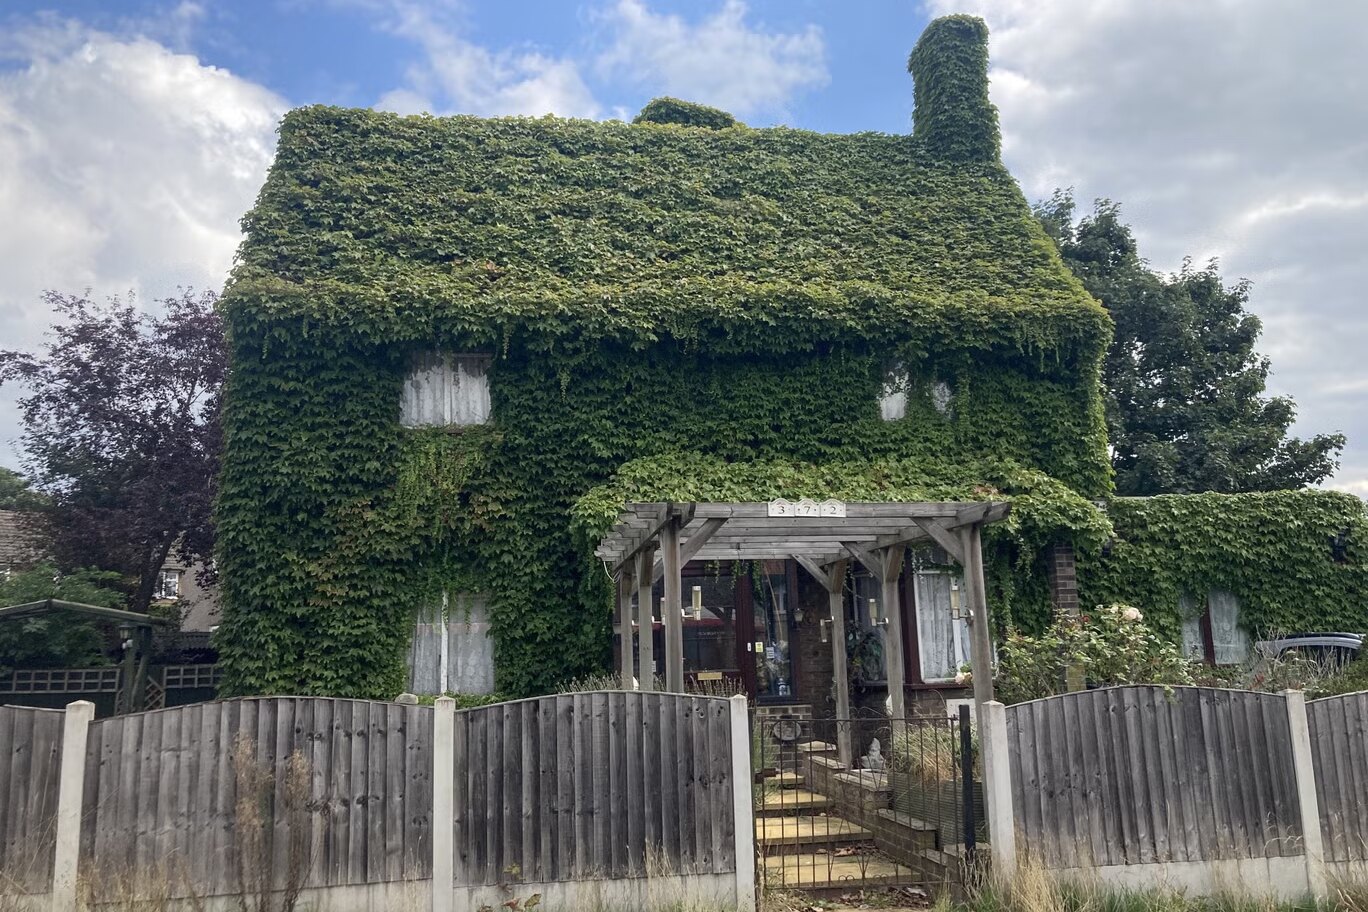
(942, 640)
(446, 390)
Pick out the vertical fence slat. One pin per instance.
(599, 847)
(1182, 792)
(528, 773)
(550, 809)
(565, 787)
(1356, 823)
(633, 771)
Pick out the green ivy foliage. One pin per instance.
(685, 113)
(953, 117)
(645, 290)
(1271, 550)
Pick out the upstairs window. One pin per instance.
(446, 390)
(169, 584)
(897, 385)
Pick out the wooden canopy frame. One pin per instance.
(655, 540)
(133, 683)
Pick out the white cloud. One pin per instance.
(1229, 129)
(457, 76)
(722, 60)
(127, 166)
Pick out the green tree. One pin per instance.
(1184, 386)
(54, 639)
(15, 493)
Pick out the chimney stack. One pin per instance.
(953, 118)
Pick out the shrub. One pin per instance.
(1110, 645)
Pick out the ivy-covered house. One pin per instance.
(460, 345)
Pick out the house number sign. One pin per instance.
(807, 508)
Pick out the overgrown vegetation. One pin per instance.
(646, 291)
(1295, 559)
(1108, 646)
(1035, 889)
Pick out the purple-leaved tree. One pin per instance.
(121, 431)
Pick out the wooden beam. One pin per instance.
(893, 639)
(980, 631)
(689, 549)
(839, 670)
(813, 568)
(625, 654)
(870, 559)
(645, 625)
(943, 537)
(665, 515)
(674, 593)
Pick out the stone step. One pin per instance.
(807, 830)
(816, 747)
(786, 780)
(820, 870)
(792, 800)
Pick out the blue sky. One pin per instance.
(135, 133)
(349, 53)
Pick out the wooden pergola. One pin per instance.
(133, 681)
(655, 540)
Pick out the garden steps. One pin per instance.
(787, 832)
(792, 800)
(821, 870)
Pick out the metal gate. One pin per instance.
(906, 813)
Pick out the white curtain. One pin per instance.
(1229, 638)
(1193, 647)
(942, 641)
(444, 389)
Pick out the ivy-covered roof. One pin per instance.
(402, 226)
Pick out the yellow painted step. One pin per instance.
(793, 799)
(791, 831)
(817, 870)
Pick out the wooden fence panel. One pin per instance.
(1144, 774)
(1339, 753)
(552, 788)
(162, 807)
(30, 755)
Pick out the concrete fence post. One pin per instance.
(70, 797)
(443, 803)
(742, 810)
(1304, 770)
(997, 789)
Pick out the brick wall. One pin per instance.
(815, 681)
(1063, 578)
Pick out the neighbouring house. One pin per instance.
(180, 656)
(460, 345)
(21, 545)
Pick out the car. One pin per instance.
(1333, 649)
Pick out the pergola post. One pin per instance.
(891, 566)
(836, 602)
(674, 593)
(624, 594)
(645, 625)
(980, 636)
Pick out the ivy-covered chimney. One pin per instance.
(953, 118)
